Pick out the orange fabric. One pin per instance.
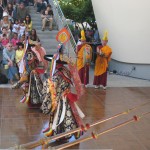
(101, 63)
(40, 55)
(80, 53)
(63, 36)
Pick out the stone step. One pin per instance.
(53, 32)
(47, 38)
(46, 29)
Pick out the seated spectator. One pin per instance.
(28, 24)
(40, 52)
(47, 16)
(22, 39)
(22, 29)
(19, 56)
(40, 5)
(5, 22)
(8, 61)
(4, 40)
(9, 10)
(15, 40)
(15, 27)
(21, 11)
(4, 31)
(33, 38)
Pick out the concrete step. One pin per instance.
(46, 29)
(47, 38)
(53, 32)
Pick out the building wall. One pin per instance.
(128, 25)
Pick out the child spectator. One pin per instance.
(22, 29)
(16, 26)
(19, 57)
(15, 40)
(4, 40)
(4, 31)
(22, 39)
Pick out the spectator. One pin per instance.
(40, 6)
(4, 40)
(41, 52)
(47, 16)
(22, 39)
(22, 28)
(28, 23)
(8, 61)
(33, 38)
(4, 3)
(21, 11)
(15, 40)
(16, 26)
(10, 11)
(5, 22)
(19, 57)
(4, 31)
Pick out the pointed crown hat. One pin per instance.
(83, 35)
(105, 37)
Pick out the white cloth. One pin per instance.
(15, 26)
(21, 66)
(21, 31)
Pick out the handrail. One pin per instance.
(61, 22)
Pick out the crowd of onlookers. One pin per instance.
(92, 35)
(16, 27)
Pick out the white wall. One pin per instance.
(128, 25)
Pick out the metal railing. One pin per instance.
(61, 22)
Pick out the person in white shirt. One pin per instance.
(16, 26)
(22, 29)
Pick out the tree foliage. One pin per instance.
(78, 10)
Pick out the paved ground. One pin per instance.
(20, 125)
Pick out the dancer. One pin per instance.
(58, 100)
(30, 79)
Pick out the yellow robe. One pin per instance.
(80, 55)
(101, 63)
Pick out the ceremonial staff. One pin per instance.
(46, 141)
(95, 136)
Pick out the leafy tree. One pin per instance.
(78, 10)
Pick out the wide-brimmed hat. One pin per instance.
(5, 14)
